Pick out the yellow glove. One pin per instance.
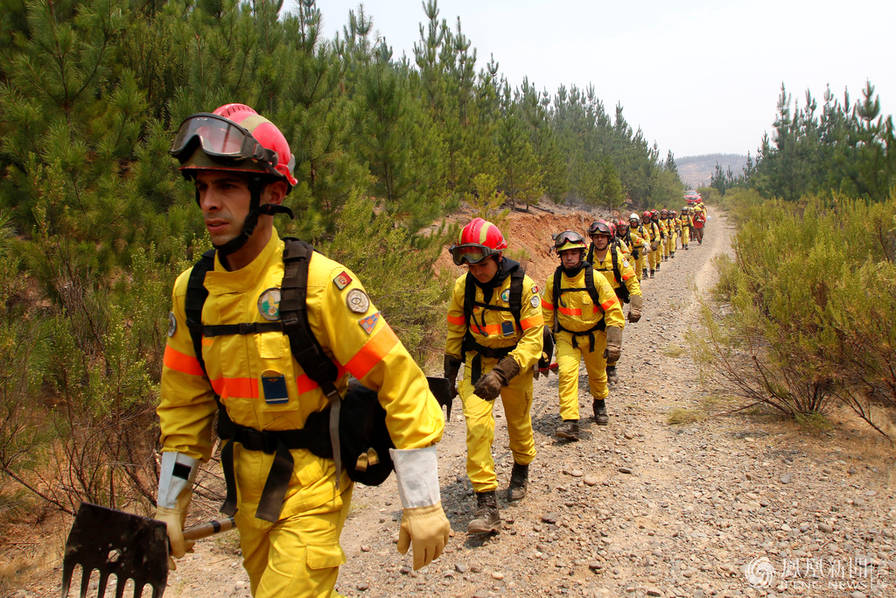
(427, 529)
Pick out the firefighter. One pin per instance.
(666, 235)
(640, 243)
(290, 504)
(685, 221)
(699, 221)
(609, 261)
(495, 330)
(657, 238)
(675, 227)
(586, 317)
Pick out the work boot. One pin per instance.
(660, 264)
(486, 519)
(568, 429)
(651, 273)
(671, 255)
(644, 273)
(685, 247)
(518, 478)
(600, 412)
(612, 378)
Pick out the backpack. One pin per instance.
(348, 430)
(595, 297)
(621, 291)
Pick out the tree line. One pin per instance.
(95, 223)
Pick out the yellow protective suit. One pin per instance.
(655, 235)
(298, 555)
(495, 329)
(685, 221)
(575, 312)
(640, 247)
(626, 275)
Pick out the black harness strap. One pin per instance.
(557, 291)
(515, 307)
(307, 352)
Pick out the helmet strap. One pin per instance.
(256, 185)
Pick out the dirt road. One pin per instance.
(744, 505)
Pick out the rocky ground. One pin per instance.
(726, 505)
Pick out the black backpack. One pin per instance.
(622, 291)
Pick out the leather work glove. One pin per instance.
(614, 343)
(489, 386)
(176, 474)
(423, 523)
(427, 530)
(452, 366)
(634, 312)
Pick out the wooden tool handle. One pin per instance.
(209, 528)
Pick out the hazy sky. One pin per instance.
(697, 76)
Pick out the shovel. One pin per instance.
(124, 545)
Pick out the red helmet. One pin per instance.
(664, 212)
(477, 240)
(612, 228)
(646, 215)
(673, 213)
(235, 138)
(621, 226)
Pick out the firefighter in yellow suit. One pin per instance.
(240, 164)
(584, 328)
(499, 354)
(655, 235)
(641, 241)
(685, 221)
(609, 261)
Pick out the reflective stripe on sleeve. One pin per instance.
(547, 304)
(456, 320)
(181, 362)
(608, 304)
(372, 352)
(531, 322)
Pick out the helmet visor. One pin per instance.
(567, 236)
(470, 253)
(219, 138)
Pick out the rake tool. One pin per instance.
(125, 545)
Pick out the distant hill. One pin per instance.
(695, 171)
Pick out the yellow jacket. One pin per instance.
(354, 335)
(576, 310)
(497, 328)
(626, 271)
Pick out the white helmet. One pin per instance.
(634, 216)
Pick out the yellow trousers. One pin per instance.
(479, 415)
(568, 369)
(654, 257)
(297, 556)
(685, 236)
(640, 264)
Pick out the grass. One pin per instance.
(814, 422)
(680, 415)
(675, 351)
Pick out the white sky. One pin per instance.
(698, 76)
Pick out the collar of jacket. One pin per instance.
(505, 267)
(236, 280)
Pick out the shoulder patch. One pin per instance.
(343, 280)
(625, 263)
(269, 304)
(505, 296)
(535, 301)
(369, 323)
(535, 289)
(172, 323)
(357, 301)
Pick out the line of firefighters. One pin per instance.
(505, 331)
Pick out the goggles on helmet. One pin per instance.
(219, 138)
(471, 253)
(567, 236)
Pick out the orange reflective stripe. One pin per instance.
(608, 304)
(625, 278)
(372, 352)
(457, 320)
(244, 388)
(531, 322)
(546, 304)
(181, 362)
(570, 311)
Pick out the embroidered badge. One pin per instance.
(269, 304)
(172, 323)
(507, 328)
(535, 289)
(505, 296)
(625, 264)
(369, 323)
(357, 301)
(535, 301)
(343, 280)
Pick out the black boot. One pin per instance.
(652, 273)
(568, 429)
(518, 478)
(486, 519)
(643, 273)
(600, 412)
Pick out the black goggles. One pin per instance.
(219, 138)
(568, 235)
(470, 253)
